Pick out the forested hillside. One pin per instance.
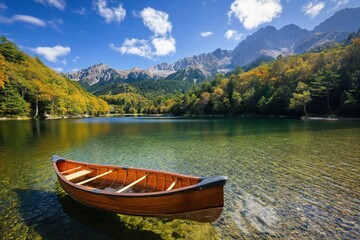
(28, 88)
(316, 83)
(322, 83)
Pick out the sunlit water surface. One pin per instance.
(287, 178)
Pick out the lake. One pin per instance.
(287, 178)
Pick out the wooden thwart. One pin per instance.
(77, 174)
(172, 185)
(93, 178)
(132, 184)
(71, 170)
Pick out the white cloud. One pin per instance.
(160, 44)
(80, 11)
(115, 14)
(75, 59)
(52, 53)
(74, 70)
(163, 46)
(312, 8)
(55, 24)
(206, 34)
(157, 21)
(144, 48)
(252, 13)
(233, 35)
(23, 18)
(139, 47)
(59, 4)
(58, 69)
(32, 20)
(339, 3)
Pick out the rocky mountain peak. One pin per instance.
(345, 20)
(263, 45)
(136, 69)
(99, 65)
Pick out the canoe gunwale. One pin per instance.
(207, 182)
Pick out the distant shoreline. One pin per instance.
(334, 118)
(330, 118)
(75, 117)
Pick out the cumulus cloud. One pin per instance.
(206, 34)
(114, 14)
(59, 4)
(157, 21)
(252, 13)
(233, 35)
(163, 46)
(52, 53)
(312, 8)
(161, 43)
(23, 18)
(134, 46)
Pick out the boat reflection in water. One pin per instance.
(111, 224)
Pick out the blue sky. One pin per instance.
(75, 34)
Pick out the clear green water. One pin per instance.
(287, 178)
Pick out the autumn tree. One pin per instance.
(301, 97)
(26, 83)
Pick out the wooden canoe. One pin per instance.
(142, 192)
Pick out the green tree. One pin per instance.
(10, 51)
(12, 104)
(348, 104)
(301, 97)
(278, 102)
(324, 83)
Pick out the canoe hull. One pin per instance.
(203, 205)
(142, 192)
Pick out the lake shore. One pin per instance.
(82, 116)
(244, 116)
(330, 118)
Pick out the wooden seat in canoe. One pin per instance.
(132, 184)
(93, 178)
(172, 185)
(77, 174)
(69, 170)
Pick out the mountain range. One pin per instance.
(264, 45)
